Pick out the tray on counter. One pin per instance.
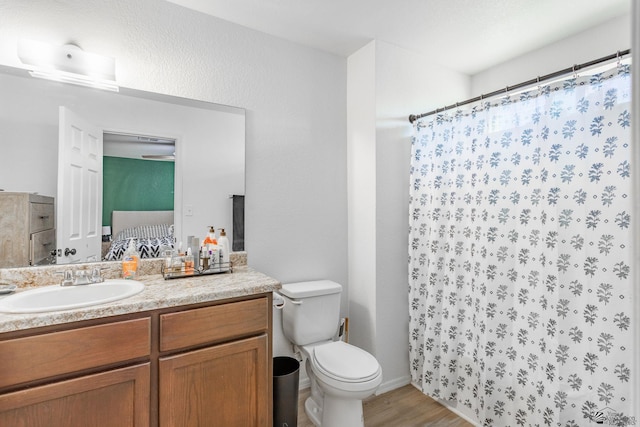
(180, 274)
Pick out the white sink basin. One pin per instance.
(56, 297)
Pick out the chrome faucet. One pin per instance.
(81, 277)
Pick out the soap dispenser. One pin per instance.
(130, 261)
(212, 250)
(223, 243)
(210, 239)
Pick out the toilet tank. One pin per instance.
(311, 312)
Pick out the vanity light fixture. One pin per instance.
(68, 64)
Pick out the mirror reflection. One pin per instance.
(151, 165)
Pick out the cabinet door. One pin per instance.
(224, 385)
(117, 398)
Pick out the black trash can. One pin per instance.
(286, 372)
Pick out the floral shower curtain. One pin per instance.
(519, 256)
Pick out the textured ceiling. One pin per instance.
(465, 35)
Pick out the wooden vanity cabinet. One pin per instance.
(202, 365)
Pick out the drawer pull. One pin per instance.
(47, 244)
(43, 217)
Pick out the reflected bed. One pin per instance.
(152, 231)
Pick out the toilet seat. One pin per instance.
(345, 363)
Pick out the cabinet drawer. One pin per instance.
(211, 324)
(41, 217)
(57, 353)
(42, 243)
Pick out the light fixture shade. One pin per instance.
(68, 64)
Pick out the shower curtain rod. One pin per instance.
(618, 55)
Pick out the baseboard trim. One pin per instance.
(304, 383)
(452, 409)
(393, 384)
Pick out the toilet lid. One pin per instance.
(345, 362)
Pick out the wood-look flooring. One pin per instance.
(402, 407)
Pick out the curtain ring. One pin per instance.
(619, 60)
(575, 74)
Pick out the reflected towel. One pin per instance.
(238, 223)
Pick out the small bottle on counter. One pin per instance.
(194, 246)
(188, 263)
(214, 259)
(166, 252)
(204, 258)
(177, 261)
(223, 243)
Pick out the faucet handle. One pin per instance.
(68, 277)
(96, 275)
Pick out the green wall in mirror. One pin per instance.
(136, 185)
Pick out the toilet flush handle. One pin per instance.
(278, 301)
(294, 302)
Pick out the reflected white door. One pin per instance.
(79, 204)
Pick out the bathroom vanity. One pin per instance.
(183, 352)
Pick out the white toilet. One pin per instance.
(341, 374)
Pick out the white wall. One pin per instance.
(385, 85)
(361, 183)
(295, 97)
(401, 90)
(605, 39)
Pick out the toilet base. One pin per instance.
(337, 412)
(341, 412)
(313, 411)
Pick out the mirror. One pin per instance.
(209, 147)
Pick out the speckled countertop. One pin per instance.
(158, 293)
